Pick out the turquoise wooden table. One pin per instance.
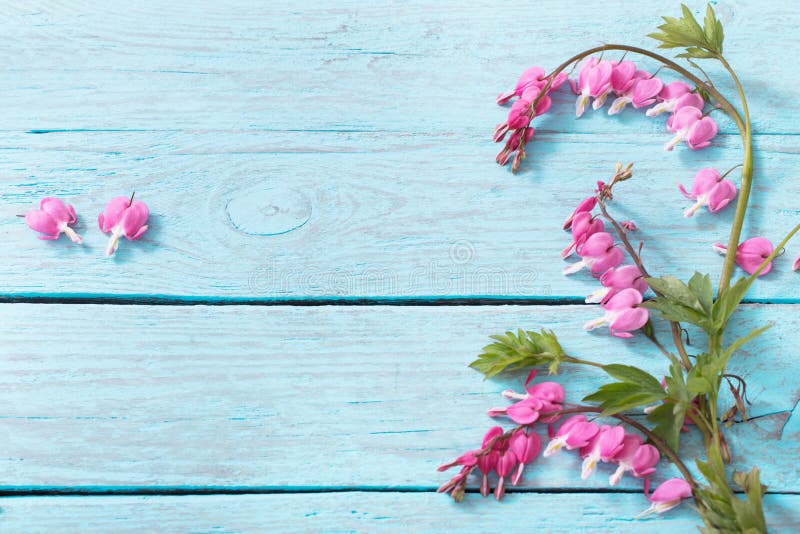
(330, 245)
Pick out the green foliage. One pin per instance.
(727, 302)
(635, 388)
(692, 303)
(685, 32)
(669, 417)
(513, 351)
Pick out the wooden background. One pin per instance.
(330, 246)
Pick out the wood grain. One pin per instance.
(359, 512)
(111, 396)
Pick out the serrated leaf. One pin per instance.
(620, 396)
(517, 350)
(685, 32)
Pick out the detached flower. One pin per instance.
(689, 124)
(53, 218)
(526, 447)
(635, 457)
(594, 81)
(708, 189)
(598, 253)
(583, 226)
(751, 254)
(603, 447)
(615, 280)
(576, 432)
(123, 216)
(622, 314)
(667, 496)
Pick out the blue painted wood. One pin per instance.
(360, 512)
(360, 138)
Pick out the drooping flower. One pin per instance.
(586, 205)
(646, 92)
(53, 218)
(583, 226)
(623, 314)
(688, 124)
(526, 447)
(487, 462)
(598, 253)
(512, 147)
(751, 254)
(594, 81)
(708, 189)
(576, 432)
(532, 77)
(603, 447)
(667, 496)
(539, 400)
(615, 280)
(669, 96)
(467, 459)
(796, 263)
(506, 463)
(689, 100)
(123, 216)
(628, 226)
(634, 456)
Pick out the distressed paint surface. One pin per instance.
(339, 151)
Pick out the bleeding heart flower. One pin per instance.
(506, 463)
(646, 92)
(623, 314)
(751, 254)
(586, 205)
(708, 189)
(669, 96)
(52, 218)
(576, 432)
(667, 496)
(689, 100)
(626, 97)
(615, 280)
(636, 457)
(526, 447)
(689, 124)
(598, 253)
(594, 80)
(539, 399)
(583, 226)
(123, 216)
(487, 462)
(796, 264)
(603, 447)
(532, 77)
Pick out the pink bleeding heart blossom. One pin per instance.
(796, 263)
(615, 280)
(634, 456)
(513, 145)
(487, 462)
(603, 447)
(708, 189)
(576, 432)
(123, 216)
(623, 314)
(646, 92)
(526, 447)
(667, 496)
(598, 253)
(506, 462)
(583, 226)
(468, 459)
(668, 98)
(629, 226)
(586, 205)
(594, 81)
(625, 97)
(532, 77)
(53, 218)
(538, 400)
(689, 100)
(688, 124)
(751, 254)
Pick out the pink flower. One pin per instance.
(751, 254)
(526, 447)
(709, 189)
(635, 457)
(532, 77)
(603, 447)
(646, 91)
(467, 459)
(487, 462)
(615, 280)
(576, 432)
(796, 264)
(625, 97)
(598, 253)
(506, 463)
(669, 96)
(629, 226)
(689, 100)
(123, 216)
(623, 77)
(52, 218)
(622, 314)
(594, 80)
(667, 496)
(586, 205)
(583, 226)
(539, 399)
(689, 124)
(513, 145)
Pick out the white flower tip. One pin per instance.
(588, 467)
(719, 249)
(553, 447)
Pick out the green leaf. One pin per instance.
(636, 388)
(686, 33)
(686, 303)
(634, 375)
(736, 345)
(701, 287)
(513, 351)
(726, 303)
(668, 419)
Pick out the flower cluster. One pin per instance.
(505, 454)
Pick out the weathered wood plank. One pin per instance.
(287, 397)
(377, 217)
(359, 512)
(340, 65)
